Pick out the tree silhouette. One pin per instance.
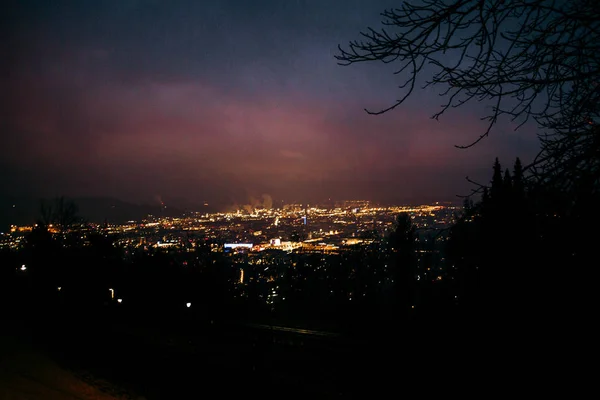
(518, 183)
(534, 59)
(513, 253)
(59, 212)
(485, 196)
(497, 181)
(468, 205)
(402, 243)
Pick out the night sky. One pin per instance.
(222, 100)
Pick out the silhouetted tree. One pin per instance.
(467, 205)
(59, 212)
(530, 59)
(402, 243)
(502, 256)
(497, 187)
(507, 184)
(485, 197)
(518, 180)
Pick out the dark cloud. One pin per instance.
(220, 100)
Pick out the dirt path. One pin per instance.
(27, 373)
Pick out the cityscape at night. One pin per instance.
(298, 198)
(297, 276)
(263, 245)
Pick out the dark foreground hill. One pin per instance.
(177, 357)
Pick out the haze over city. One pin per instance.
(222, 101)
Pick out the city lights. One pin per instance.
(264, 245)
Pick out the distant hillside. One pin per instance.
(22, 211)
(96, 209)
(17, 211)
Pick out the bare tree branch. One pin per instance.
(533, 60)
(60, 212)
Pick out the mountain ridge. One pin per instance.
(26, 210)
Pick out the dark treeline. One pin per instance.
(525, 246)
(522, 251)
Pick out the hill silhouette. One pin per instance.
(25, 210)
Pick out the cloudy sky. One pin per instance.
(220, 100)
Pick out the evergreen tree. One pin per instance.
(507, 184)
(485, 198)
(467, 206)
(518, 183)
(402, 242)
(497, 182)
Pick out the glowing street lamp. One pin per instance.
(23, 267)
(112, 293)
(188, 305)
